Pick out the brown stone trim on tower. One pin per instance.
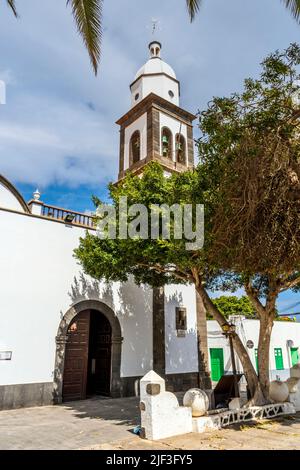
(159, 347)
(204, 380)
(153, 132)
(190, 146)
(166, 163)
(149, 132)
(153, 99)
(122, 149)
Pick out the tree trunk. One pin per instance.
(255, 388)
(265, 330)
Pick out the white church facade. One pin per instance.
(65, 336)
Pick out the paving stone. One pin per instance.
(107, 424)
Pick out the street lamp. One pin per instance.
(229, 332)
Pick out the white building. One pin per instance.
(284, 348)
(65, 336)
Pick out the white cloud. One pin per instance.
(8, 77)
(26, 135)
(58, 125)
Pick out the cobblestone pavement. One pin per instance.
(107, 424)
(72, 425)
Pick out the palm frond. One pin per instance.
(294, 7)
(88, 18)
(193, 7)
(12, 5)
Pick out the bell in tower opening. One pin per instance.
(156, 128)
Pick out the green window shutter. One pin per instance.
(278, 358)
(217, 363)
(256, 358)
(294, 356)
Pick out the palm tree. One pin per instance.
(193, 7)
(88, 18)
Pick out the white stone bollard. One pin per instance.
(197, 400)
(161, 415)
(235, 404)
(295, 371)
(294, 386)
(279, 391)
(292, 383)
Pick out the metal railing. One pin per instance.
(68, 216)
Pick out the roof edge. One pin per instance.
(152, 97)
(15, 192)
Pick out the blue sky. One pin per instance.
(57, 130)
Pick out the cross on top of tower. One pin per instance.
(154, 25)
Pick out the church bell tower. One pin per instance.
(156, 128)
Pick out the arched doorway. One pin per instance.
(87, 369)
(167, 143)
(135, 148)
(88, 353)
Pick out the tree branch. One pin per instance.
(288, 285)
(250, 291)
(176, 273)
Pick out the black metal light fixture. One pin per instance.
(69, 218)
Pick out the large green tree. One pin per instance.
(232, 305)
(88, 18)
(249, 181)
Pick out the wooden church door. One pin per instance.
(76, 358)
(87, 357)
(99, 366)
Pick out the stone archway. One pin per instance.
(61, 340)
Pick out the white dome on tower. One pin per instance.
(155, 76)
(155, 64)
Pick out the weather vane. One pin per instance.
(155, 26)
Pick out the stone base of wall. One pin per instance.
(40, 394)
(130, 387)
(25, 395)
(183, 382)
(174, 383)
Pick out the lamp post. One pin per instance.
(229, 331)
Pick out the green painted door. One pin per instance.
(256, 359)
(278, 358)
(294, 356)
(217, 363)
